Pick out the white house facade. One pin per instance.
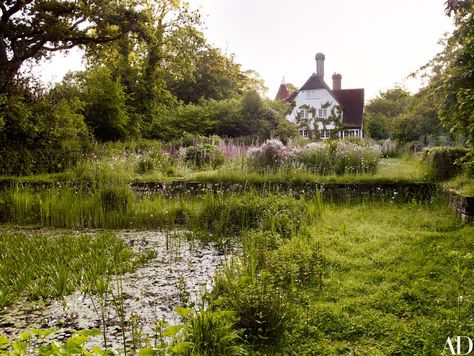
(322, 112)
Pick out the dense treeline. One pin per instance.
(397, 114)
(149, 73)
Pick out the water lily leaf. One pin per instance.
(148, 352)
(172, 330)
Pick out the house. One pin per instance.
(322, 112)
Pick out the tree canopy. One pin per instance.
(32, 29)
(451, 73)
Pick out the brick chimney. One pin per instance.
(336, 81)
(320, 65)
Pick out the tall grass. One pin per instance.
(118, 207)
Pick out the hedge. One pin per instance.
(445, 162)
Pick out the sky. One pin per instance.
(374, 44)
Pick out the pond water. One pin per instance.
(179, 274)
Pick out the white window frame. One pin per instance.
(304, 133)
(324, 134)
(322, 112)
(351, 133)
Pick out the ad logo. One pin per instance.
(459, 345)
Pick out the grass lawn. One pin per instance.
(397, 281)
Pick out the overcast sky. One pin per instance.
(374, 44)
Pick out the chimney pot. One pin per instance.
(336, 81)
(320, 65)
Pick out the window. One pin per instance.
(325, 134)
(322, 112)
(304, 132)
(312, 94)
(351, 133)
(305, 113)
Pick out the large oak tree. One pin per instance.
(33, 29)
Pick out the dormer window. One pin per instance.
(312, 94)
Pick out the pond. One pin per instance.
(180, 273)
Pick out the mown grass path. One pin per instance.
(397, 282)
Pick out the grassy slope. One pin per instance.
(391, 284)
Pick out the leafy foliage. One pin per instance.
(451, 75)
(41, 135)
(445, 162)
(105, 110)
(33, 29)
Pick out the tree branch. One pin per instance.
(77, 23)
(3, 8)
(14, 9)
(80, 41)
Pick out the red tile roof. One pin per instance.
(283, 93)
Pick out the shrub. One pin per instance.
(204, 155)
(41, 135)
(389, 147)
(445, 162)
(212, 333)
(144, 165)
(316, 157)
(261, 307)
(189, 139)
(340, 157)
(296, 263)
(269, 156)
(116, 198)
(355, 157)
